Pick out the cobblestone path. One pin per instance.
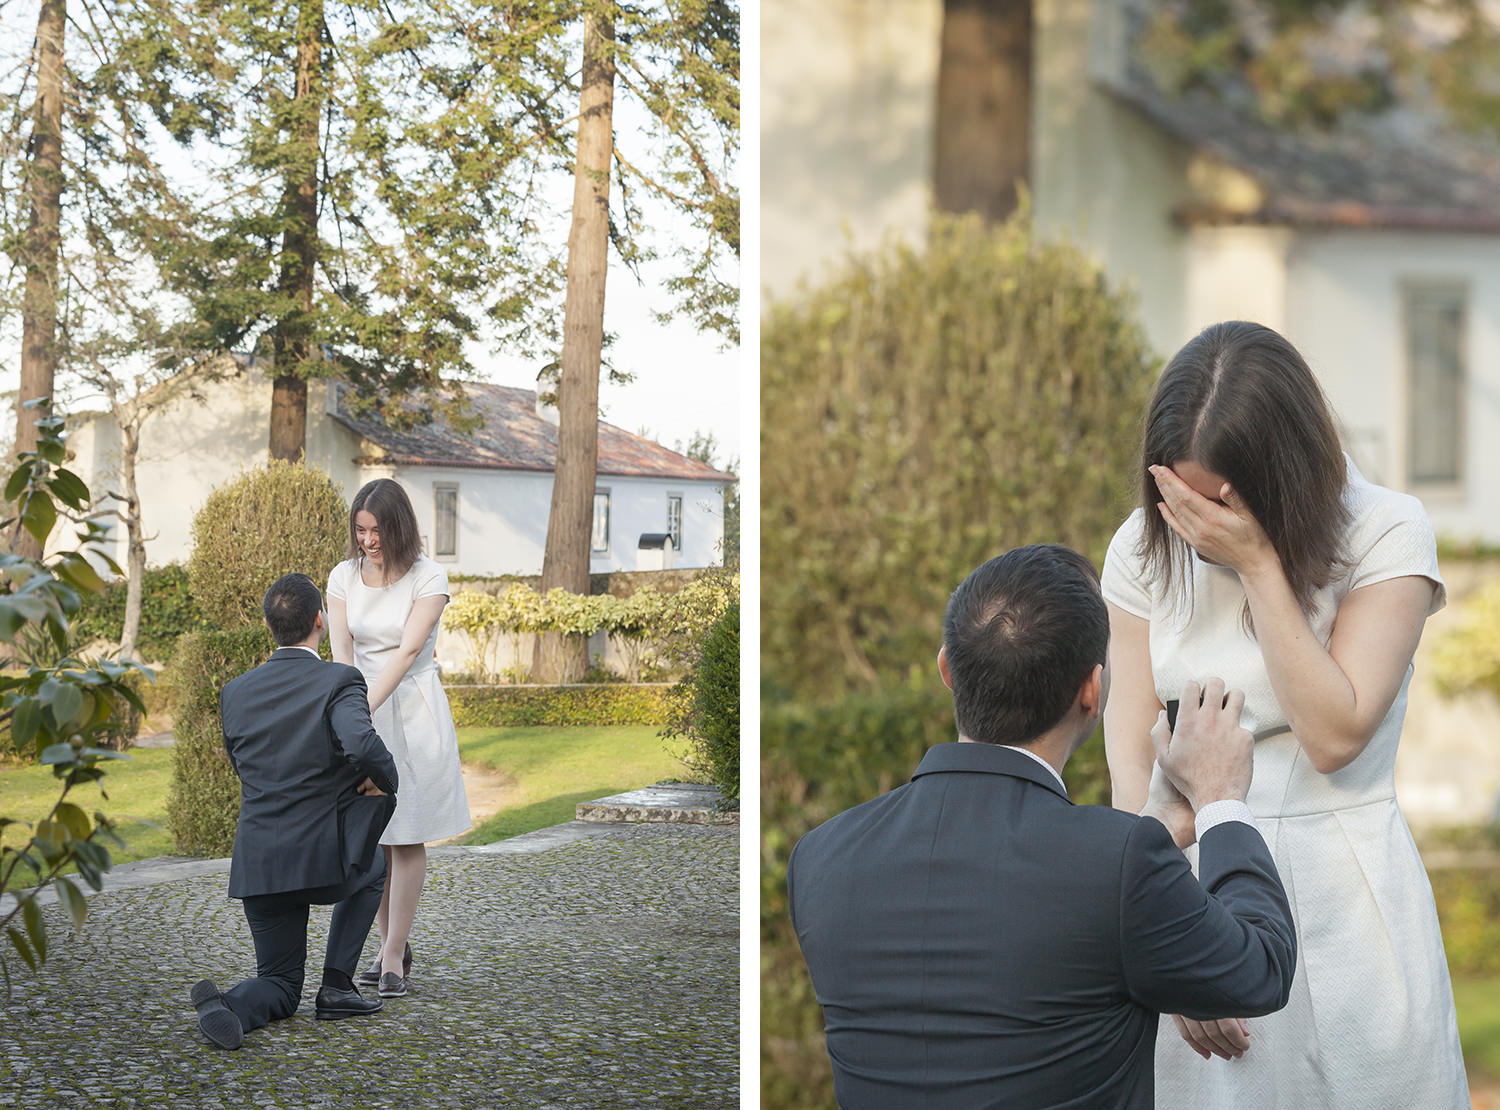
(599, 973)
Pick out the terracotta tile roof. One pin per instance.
(514, 437)
(1399, 171)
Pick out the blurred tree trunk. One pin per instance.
(570, 523)
(983, 134)
(44, 181)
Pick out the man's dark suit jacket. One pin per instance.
(976, 940)
(298, 732)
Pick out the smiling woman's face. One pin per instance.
(367, 533)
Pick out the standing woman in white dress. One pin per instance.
(384, 602)
(1261, 556)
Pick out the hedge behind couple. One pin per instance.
(321, 749)
(976, 940)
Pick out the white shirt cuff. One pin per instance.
(1216, 813)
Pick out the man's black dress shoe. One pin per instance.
(332, 1004)
(216, 1020)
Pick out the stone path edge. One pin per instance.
(166, 869)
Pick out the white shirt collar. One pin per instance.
(303, 647)
(1051, 770)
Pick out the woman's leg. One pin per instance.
(383, 914)
(398, 908)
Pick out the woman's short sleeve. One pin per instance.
(431, 580)
(1396, 541)
(1124, 579)
(338, 581)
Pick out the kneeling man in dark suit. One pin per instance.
(977, 940)
(317, 787)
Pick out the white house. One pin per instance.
(482, 499)
(1377, 253)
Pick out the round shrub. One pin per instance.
(267, 522)
(923, 411)
(716, 703)
(205, 797)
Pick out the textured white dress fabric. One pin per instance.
(1371, 1022)
(415, 721)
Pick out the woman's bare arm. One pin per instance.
(1130, 711)
(420, 622)
(339, 640)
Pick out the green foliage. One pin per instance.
(593, 705)
(922, 412)
(1468, 905)
(59, 711)
(167, 611)
(647, 626)
(1467, 658)
(716, 706)
(205, 799)
(1316, 65)
(267, 522)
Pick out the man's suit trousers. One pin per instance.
(278, 924)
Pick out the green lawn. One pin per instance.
(1478, 1001)
(556, 768)
(137, 802)
(550, 771)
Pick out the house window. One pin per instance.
(674, 520)
(601, 520)
(445, 522)
(1436, 378)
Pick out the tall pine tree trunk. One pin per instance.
(40, 249)
(291, 341)
(569, 526)
(983, 135)
(135, 564)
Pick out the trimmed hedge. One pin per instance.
(205, 800)
(167, 612)
(591, 705)
(716, 703)
(266, 522)
(817, 761)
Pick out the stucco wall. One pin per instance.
(190, 447)
(848, 89)
(1344, 312)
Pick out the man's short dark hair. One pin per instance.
(291, 606)
(1022, 634)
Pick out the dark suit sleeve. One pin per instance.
(349, 718)
(1224, 947)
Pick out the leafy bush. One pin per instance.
(593, 705)
(1468, 905)
(1467, 658)
(59, 710)
(167, 611)
(205, 798)
(922, 412)
(716, 706)
(263, 524)
(646, 625)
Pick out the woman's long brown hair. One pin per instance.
(400, 542)
(1242, 403)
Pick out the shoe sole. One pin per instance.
(219, 1025)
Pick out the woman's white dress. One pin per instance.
(1371, 1020)
(415, 721)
